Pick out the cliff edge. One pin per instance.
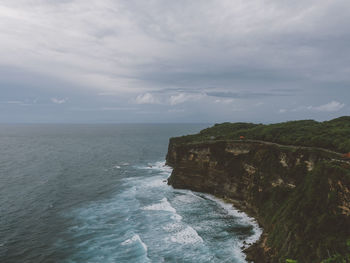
(299, 195)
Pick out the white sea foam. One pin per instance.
(176, 217)
(135, 238)
(164, 205)
(182, 234)
(116, 167)
(186, 236)
(162, 167)
(167, 227)
(155, 182)
(187, 198)
(171, 227)
(158, 166)
(242, 218)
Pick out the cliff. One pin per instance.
(299, 195)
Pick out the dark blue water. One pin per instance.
(97, 193)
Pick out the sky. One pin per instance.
(161, 61)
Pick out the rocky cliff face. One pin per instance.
(285, 188)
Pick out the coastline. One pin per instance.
(283, 188)
(252, 249)
(233, 210)
(256, 252)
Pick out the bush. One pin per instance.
(333, 135)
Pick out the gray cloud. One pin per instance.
(162, 53)
(332, 106)
(58, 100)
(245, 95)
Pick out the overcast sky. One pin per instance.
(90, 61)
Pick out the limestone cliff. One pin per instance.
(300, 195)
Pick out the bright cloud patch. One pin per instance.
(183, 97)
(329, 107)
(58, 101)
(146, 98)
(224, 101)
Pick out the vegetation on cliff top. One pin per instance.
(333, 135)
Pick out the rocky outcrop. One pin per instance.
(275, 184)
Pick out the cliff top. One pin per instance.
(333, 135)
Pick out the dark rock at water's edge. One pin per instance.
(299, 195)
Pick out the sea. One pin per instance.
(99, 193)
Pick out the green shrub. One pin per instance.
(333, 135)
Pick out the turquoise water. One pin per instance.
(98, 193)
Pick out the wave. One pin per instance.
(158, 166)
(241, 218)
(182, 234)
(164, 205)
(187, 197)
(175, 224)
(133, 239)
(157, 181)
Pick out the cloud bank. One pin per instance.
(166, 53)
(328, 107)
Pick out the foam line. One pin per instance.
(242, 218)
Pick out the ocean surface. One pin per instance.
(98, 193)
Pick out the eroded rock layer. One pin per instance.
(299, 195)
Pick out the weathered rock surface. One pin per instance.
(266, 181)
